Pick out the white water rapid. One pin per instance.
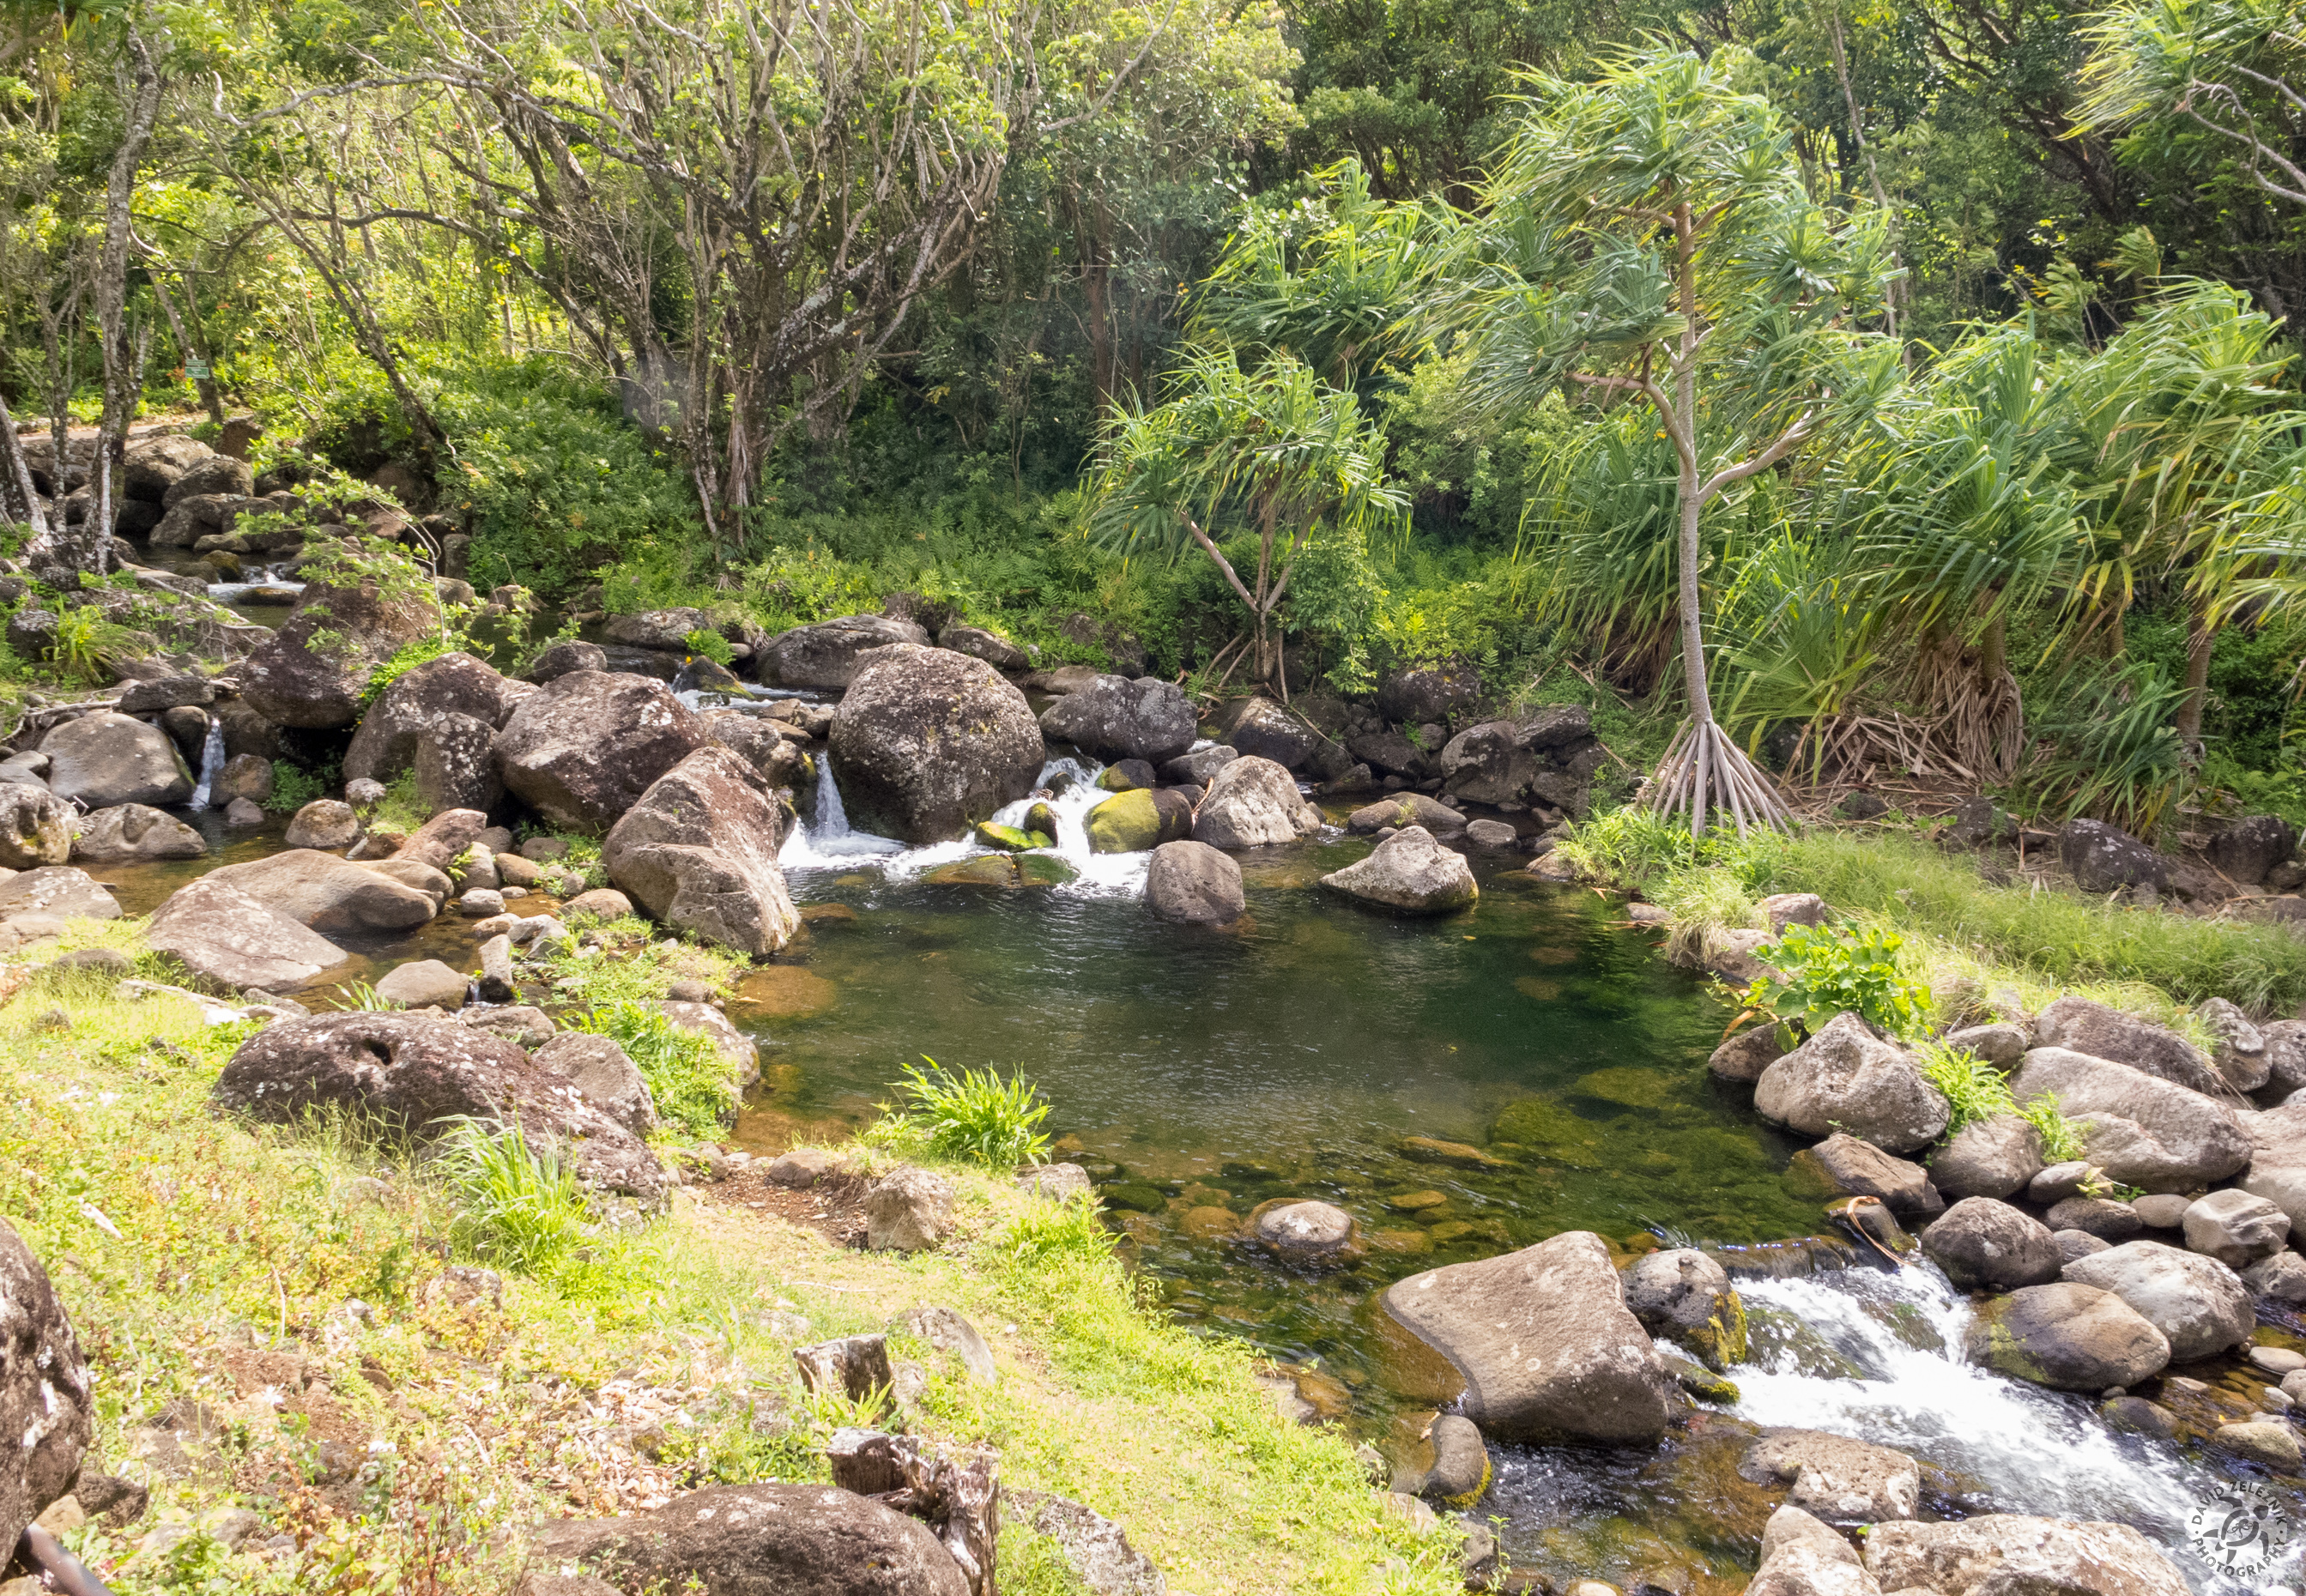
(211, 762)
(2025, 1449)
(828, 843)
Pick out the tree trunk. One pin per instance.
(195, 356)
(2199, 635)
(89, 552)
(16, 487)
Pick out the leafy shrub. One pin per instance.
(293, 788)
(87, 646)
(515, 1205)
(1821, 971)
(691, 1082)
(976, 1115)
(1978, 1091)
(710, 645)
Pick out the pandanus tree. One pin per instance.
(1271, 454)
(1646, 240)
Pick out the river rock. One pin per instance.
(1984, 1245)
(2239, 1055)
(566, 658)
(1836, 1478)
(2236, 1227)
(1488, 765)
(928, 742)
(2277, 1163)
(2141, 1130)
(411, 1073)
(1845, 1078)
(36, 827)
(606, 1074)
(2270, 1443)
(456, 766)
(132, 832)
(244, 776)
(2069, 1336)
(422, 984)
(1800, 1556)
(2245, 851)
(1427, 692)
(2103, 857)
(47, 1405)
(328, 893)
(210, 472)
(231, 942)
(2077, 1244)
(1989, 1157)
(1114, 718)
(1685, 1296)
(601, 903)
(442, 840)
(1259, 729)
(1461, 1463)
(2061, 1180)
(416, 709)
(666, 631)
(908, 1210)
(699, 853)
(61, 891)
(1744, 1056)
(2099, 1217)
(2080, 1025)
(827, 653)
(2000, 1043)
(2002, 1552)
(1308, 1234)
(583, 748)
(746, 1540)
(1411, 873)
(1250, 803)
(2281, 1278)
(980, 643)
(1406, 810)
(103, 758)
(763, 745)
(1854, 1168)
(497, 982)
(1200, 767)
(1194, 884)
(2198, 1304)
(1138, 820)
(312, 670)
(327, 824)
(1544, 1342)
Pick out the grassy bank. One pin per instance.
(390, 1438)
(1967, 936)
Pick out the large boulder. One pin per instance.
(2236, 1227)
(1409, 872)
(1250, 803)
(131, 832)
(2068, 1335)
(746, 1540)
(153, 465)
(2002, 1552)
(36, 827)
(312, 673)
(328, 893)
(1802, 1556)
(2286, 1055)
(2141, 1130)
(416, 709)
(2277, 1159)
(2080, 1025)
(102, 759)
(1988, 1157)
(1543, 1340)
(1488, 765)
(456, 766)
(1685, 1295)
(1845, 1078)
(1427, 694)
(1984, 1245)
(928, 742)
(1115, 718)
(2103, 857)
(414, 1075)
(584, 747)
(699, 853)
(2200, 1305)
(48, 1403)
(1260, 728)
(231, 941)
(1403, 811)
(2247, 849)
(210, 474)
(664, 630)
(64, 891)
(1193, 883)
(1854, 1167)
(1839, 1479)
(826, 654)
(1141, 818)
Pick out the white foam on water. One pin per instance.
(2028, 1450)
(211, 763)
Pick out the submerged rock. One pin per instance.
(1845, 1078)
(926, 742)
(1410, 872)
(1308, 1234)
(1543, 1340)
(1003, 870)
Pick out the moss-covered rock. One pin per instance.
(1003, 870)
(1012, 839)
(1041, 818)
(1138, 822)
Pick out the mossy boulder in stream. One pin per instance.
(1686, 1296)
(1010, 839)
(1140, 821)
(1003, 870)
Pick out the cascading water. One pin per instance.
(826, 841)
(211, 762)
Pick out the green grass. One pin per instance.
(633, 965)
(1968, 936)
(974, 1116)
(691, 1081)
(1977, 1091)
(517, 1205)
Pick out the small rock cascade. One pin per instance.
(212, 757)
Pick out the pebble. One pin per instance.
(2276, 1361)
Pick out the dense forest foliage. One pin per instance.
(1289, 344)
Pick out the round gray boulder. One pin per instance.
(928, 742)
(1194, 884)
(1408, 872)
(1845, 1078)
(2069, 1336)
(2235, 1227)
(1984, 1245)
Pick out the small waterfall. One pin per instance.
(211, 762)
(831, 820)
(827, 840)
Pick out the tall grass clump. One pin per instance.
(1977, 1091)
(691, 1081)
(516, 1204)
(974, 1116)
